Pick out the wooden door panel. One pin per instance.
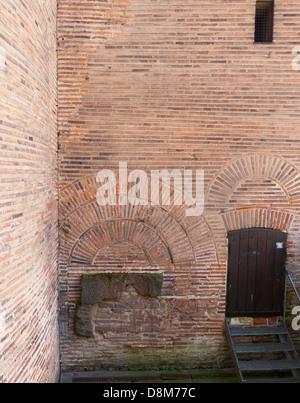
(279, 277)
(256, 272)
(260, 271)
(269, 273)
(250, 299)
(243, 271)
(233, 261)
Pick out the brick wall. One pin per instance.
(28, 195)
(165, 85)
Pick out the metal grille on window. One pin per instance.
(264, 21)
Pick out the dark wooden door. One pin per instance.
(256, 273)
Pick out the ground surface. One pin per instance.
(170, 376)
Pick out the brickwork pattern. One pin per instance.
(28, 192)
(163, 85)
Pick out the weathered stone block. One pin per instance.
(109, 286)
(84, 320)
(130, 307)
(146, 284)
(102, 286)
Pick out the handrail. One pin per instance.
(293, 284)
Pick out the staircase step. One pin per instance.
(273, 380)
(269, 365)
(258, 331)
(263, 348)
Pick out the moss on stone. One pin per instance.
(100, 286)
(147, 284)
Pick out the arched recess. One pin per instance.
(252, 191)
(165, 234)
(254, 167)
(122, 231)
(258, 190)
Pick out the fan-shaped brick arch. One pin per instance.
(165, 235)
(123, 231)
(253, 191)
(258, 218)
(269, 174)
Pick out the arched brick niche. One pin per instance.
(94, 237)
(165, 235)
(253, 191)
(255, 181)
(138, 240)
(87, 250)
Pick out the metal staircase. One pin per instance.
(257, 351)
(264, 354)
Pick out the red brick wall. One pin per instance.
(28, 195)
(171, 84)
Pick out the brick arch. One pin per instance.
(121, 231)
(183, 240)
(270, 174)
(126, 224)
(254, 167)
(258, 218)
(84, 190)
